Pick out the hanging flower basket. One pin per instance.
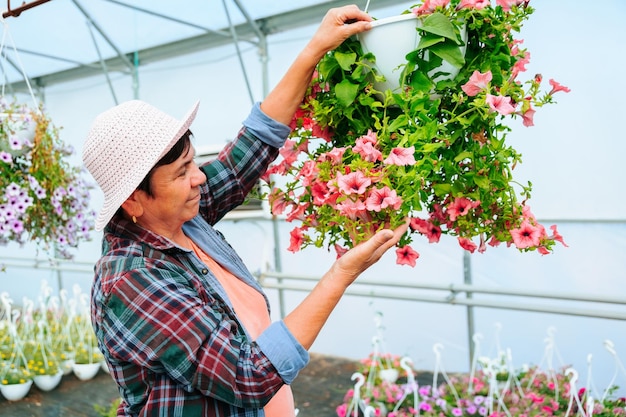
(16, 392)
(365, 154)
(42, 198)
(48, 382)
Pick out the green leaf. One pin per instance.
(442, 189)
(463, 155)
(428, 41)
(439, 24)
(420, 82)
(482, 181)
(345, 60)
(450, 52)
(346, 92)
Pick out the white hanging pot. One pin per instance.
(15, 392)
(85, 371)
(48, 382)
(390, 40)
(389, 375)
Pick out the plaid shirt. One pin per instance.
(164, 323)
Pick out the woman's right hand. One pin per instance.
(352, 263)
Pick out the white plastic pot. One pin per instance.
(390, 40)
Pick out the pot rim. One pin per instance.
(393, 19)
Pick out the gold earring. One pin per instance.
(134, 219)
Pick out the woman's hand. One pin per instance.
(338, 25)
(349, 266)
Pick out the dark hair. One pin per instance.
(181, 146)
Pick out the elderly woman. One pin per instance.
(184, 327)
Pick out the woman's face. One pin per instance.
(175, 195)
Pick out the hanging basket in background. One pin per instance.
(42, 198)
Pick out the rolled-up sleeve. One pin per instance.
(283, 350)
(265, 128)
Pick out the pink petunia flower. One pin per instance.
(557, 236)
(353, 183)
(401, 156)
(406, 256)
(428, 229)
(474, 4)
(500, 104)
(467, 244)
(429, 6)
(382, 198)
(527, 117)
(460, 207)
(352, 209)
(296, 239)
(340, 250)
(526, 236)
(477, 82)
(508, 4)
(556, 87)
(366, 148)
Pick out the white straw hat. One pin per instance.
(123, 145)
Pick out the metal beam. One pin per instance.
(246, 32)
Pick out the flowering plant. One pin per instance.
(531, 391)
(12, 374)
(434, 150)
(42, 198)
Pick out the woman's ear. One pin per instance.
(132, 206)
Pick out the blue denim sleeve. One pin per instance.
(283, 350)
(265, 128)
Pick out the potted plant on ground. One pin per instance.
(42, 198)
(15, 381)
(433, 149)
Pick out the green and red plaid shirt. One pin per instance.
(164, 323)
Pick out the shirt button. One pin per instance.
(205, 271)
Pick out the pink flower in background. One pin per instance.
(500, 104)
(353, 183)
(401, 156)
(477, 82)
(406, 256)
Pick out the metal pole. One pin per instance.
(467, 279)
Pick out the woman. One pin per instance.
(184, 327)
